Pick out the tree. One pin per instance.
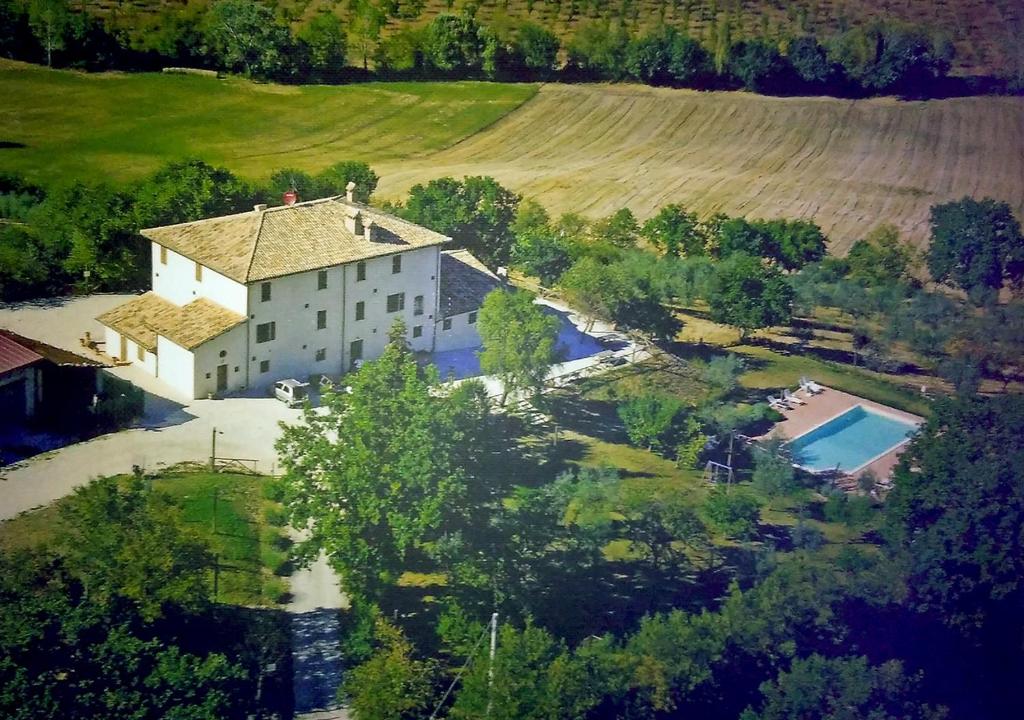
(391, 684)
(374, 476)
(809, 60)
(519, 341)
(736, 235)
(758, 65)
(650, 419)
(534, 677)
(732, 512)
(51, 22)
(131, 544)
(543, 254)
(454, 44)
(324, 44)
(840, 688)
(476, 212)
(365, 23)
(773, 468)
(675, 231)
(748, 295)
(620, 229)
(598, 50)
(246, 36)
(189, 190)
(539, 48)
(880, 258)
(335, 179)
(955, 512)
(977, 245)
(689, 64)
(663, 531)
(722, 373)
(794, 243)
(530, 216)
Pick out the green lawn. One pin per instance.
(248, 547)
(58, 124)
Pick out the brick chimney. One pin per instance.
(260, 208)
(350, 191)
(371, 231)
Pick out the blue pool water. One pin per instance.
(849, 440)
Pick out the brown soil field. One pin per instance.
(848, 165)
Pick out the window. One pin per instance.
(222, 353)
(360, 270)
(264, 292)
(264, 366)
(472, 317)
(199, 272)
(396, 302)
(141, 352)
(321, 354)
(163, 255)
(321, 280)
(360, 310)
(321, 319)
(417, 331)
(417, 305)
(396, 264)
(355, 350)
(265, 332)
(447, 325)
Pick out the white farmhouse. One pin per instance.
(294, 291)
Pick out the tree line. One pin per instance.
(254, 40)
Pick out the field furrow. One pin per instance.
(847, 165)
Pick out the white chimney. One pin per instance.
(260, 208)
(354, 221)
(370, 231)
(350, 191)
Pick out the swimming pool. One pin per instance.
(850, 440)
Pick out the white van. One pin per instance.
(291, 392)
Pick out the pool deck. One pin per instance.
(829, 403)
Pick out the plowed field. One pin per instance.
(849, 165)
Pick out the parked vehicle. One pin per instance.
(291, 391)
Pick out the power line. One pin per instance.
(458, 675)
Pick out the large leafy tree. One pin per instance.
(539, 48)
(391, 684)
(794, 242)
(820, 688)
(880, 258)
(977, 245)
(476, 212)
(519, 341)
(189, 190)
(246, 37)
(675, 232)
(956, 511)
(749, 295)
(374, 476)
(324, 44)
(650, 419)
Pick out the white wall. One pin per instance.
(462, 335)
(208, 357)
(113, 348)
(176, 282)
(176, 367)
(295, 301)
(112, 342)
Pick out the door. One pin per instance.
(222, 378)
(124, 348)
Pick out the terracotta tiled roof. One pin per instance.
(56, 355)
(149, 315)
(264, 244)
(465, 281)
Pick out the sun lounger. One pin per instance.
(791, 398)
(810, 387)
(778, 403)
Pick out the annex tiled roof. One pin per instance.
(149, 315)
(56, 355)
(264, 244)
(465, 281)
(14, 355)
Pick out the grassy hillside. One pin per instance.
(849, 165)
(61, 124)
(987, 33)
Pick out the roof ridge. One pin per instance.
(252, 250)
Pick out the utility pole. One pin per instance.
(732, 436)
(216, 492)
(216, 575)
(490, 666)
